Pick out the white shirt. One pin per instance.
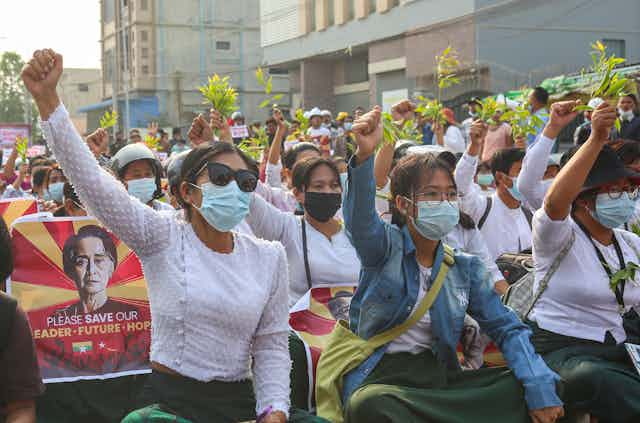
(578, 301)
(454, 140)
(161, 206)
(418, 337)
(505, 230)
(472, 242)
(316, 134)
(212, 314)
(530, 181)
(382, 202)
(273, 175)
(331, 262)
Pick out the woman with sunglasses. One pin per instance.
(417, 377)
(218, 298)
(586, 314)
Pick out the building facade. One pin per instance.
(346, 53)
(155, 54)
(79, 88)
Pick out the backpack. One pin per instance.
(8, 307)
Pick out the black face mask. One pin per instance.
(322, 206)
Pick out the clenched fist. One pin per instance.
(403, 110)
(98, 142)
(602, 120)
(200, 131)
(368, 131)
(41, 75)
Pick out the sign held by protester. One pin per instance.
(12, 209)
(9, 132)
(86, 298)
(313, 318)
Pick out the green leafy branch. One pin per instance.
(256, 145)
(109, 119)
(267, 86)
(431, 110)
(220, 94)
(22, 145)
(447, 64)
(628, 273)
(393, 132)
(605, 81)
(152, 142)
(304, 121)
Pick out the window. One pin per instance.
(108, 11)
(143, 5)
(145, 69)
(144, 36)
(331, 13)
(223, 45)
(372, 6)
(84, 88)
(278, 71)
(108, 64)
(144, 52)
(617, 47)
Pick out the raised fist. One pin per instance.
(200, 131)
(368, 131)
(98, 142)
(42, 73)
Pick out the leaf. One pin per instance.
(264, 103)
(618, 125)
(108, 120)
(260, 76)
(151, 142)
(277, 97)
(22, 145)
(219, 93)
(583, 108)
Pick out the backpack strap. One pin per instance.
(8, 307)
(389, 335)
(552, 269)
(486, 213)
(305, 252)
(528, 214)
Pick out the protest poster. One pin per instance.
(12, 209)
(313, 318)
(240, 131)
(10, 131)
(86, 298)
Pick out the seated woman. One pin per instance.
(417, 376)
(583, 317)
(218, 298)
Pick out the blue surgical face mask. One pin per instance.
(224, 207)
(343, 180)
(485, 179)
(436, 218)
(614, 213)
(55, 192)
(142, 189)
(348, 126)
(514, 191)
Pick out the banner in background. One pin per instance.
(10, 131)
(314, 317)
(10, 209)
(86, 298)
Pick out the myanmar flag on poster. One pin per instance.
(314, 317)
(86, 298)
(10, 210)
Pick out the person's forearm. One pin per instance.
(10, 165)
(568, 184)
(382, 166)
(17, 184)
(47, 105)
(23, 412)
(440, 138)
(276, 146)
(533, 168)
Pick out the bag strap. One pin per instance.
(305, 252)
(486, 213)
(528, 215)
(547, 277)
(424, 306)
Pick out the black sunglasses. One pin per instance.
(221, 174)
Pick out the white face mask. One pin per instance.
(628, 115)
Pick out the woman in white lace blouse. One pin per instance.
(218, 298)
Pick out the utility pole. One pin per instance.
(124, 16)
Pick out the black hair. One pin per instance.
(407, 176)
(503, 160)
(301, 177)
(38, 176)
(632, 97)
(176, 130)
(70, 193)
(629, 151)
(197, 158)
(338, 159)
(90, 231)
(50, 170)
(291, 156)
(541, 95)
(6, 254)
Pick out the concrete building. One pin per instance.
(344, 53)
(155, 54)
(79, 88)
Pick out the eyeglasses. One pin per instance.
(221, 175)
(432, 195)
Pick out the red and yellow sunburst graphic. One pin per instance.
(10, 210)
(313, 322)
(97, 344)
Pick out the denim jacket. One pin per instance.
(388, 290)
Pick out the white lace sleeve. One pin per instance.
(140, 227)
(271, 361)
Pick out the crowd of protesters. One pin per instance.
(419, 228)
